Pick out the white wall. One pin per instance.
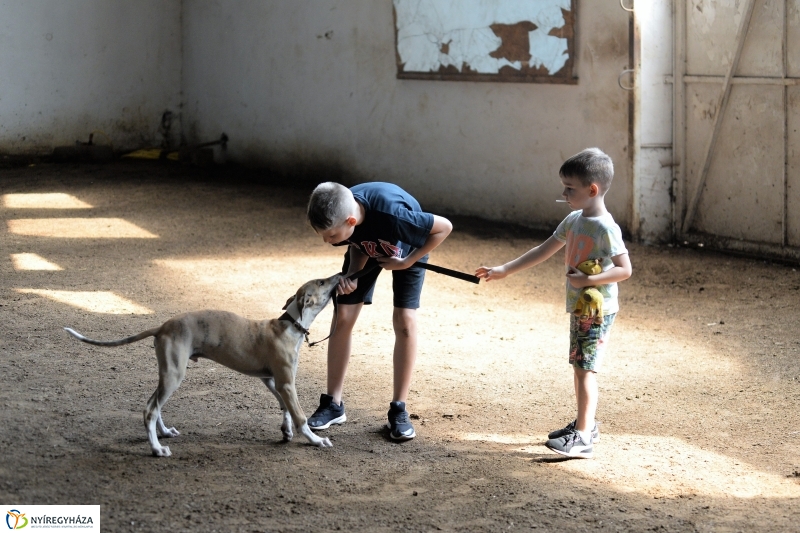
(654, 135)
(72, 67)
(310, 86)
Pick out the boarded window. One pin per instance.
(486, 40)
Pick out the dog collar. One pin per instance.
(295, 323)
(293, 319)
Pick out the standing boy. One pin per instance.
(379, 222)
(589, 232)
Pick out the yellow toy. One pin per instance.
(590, 301)
(590, 267)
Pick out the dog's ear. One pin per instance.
(289, 301)
(307, 301)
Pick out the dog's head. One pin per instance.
(313, 296)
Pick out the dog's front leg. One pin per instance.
(284, 384)
(286, 426)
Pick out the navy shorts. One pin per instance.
(406, 285)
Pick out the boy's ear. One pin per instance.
(351, 220)
(594, 190)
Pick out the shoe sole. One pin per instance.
(339, 421)
(401, 437)
(582, 454)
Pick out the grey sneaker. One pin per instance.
(399, 426)
(570, 428)
(571, 445)
(327, 413)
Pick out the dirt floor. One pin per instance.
(698, 398)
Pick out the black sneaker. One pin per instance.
(571, 445)
(570, 428)
(327, 413)
(399, 426)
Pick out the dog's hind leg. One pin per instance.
(286, 426)
(170, 376)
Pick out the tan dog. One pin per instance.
(266, 349)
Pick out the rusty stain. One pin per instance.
(515, 41)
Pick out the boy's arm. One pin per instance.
(532, 257)
(357, 261)
(439, 231)
(621, 271)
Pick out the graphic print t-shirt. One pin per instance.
(394, 222)
(591, 238)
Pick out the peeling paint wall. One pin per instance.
(479, 40)
(311, 87)
(72, 67)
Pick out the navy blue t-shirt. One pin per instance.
(393, 224)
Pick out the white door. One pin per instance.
(737, 124)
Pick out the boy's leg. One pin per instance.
(331, 407)
(405, 354)
(587, 343)
(577, 438)
(405, 351)
(407, 287)
(339, 347)
(586, 395)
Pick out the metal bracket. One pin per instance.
(619, 79)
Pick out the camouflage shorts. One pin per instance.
(587, 341)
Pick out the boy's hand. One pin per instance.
(577, 278)
(393, 263)
(490, 273)
(346, 285)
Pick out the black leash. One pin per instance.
(427, 266)
(335, 321)
(369, 267)
(449, 272)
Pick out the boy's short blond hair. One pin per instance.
(589, 166)
(329, 206)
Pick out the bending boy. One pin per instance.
(589, 232)
(378, 222)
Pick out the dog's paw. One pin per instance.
(286, 429)
(162, 452)
(170, 433)
(324, 443)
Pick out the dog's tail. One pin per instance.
(128, 340)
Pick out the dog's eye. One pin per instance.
(321, 283)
